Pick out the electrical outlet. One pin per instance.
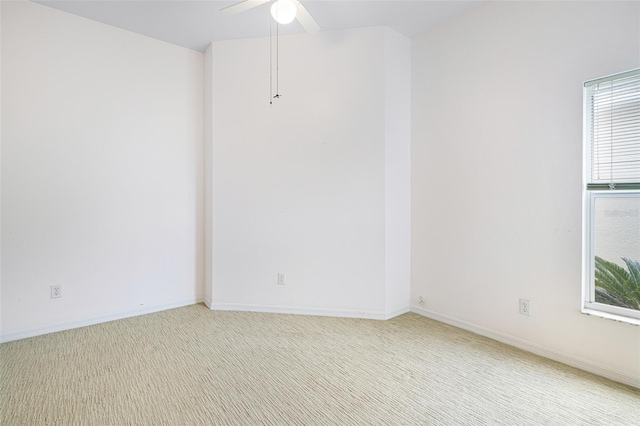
(56, 291)
(280, 278)
(420, 300)
(525, 307)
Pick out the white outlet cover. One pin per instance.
(56, 291)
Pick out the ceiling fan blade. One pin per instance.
(305, 19)
(242, 6)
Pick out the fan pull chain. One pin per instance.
(271, 95)
(277, 95)
(270, 64)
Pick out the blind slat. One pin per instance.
(605, 186)
(613, 108)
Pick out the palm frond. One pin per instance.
(634, 268)
(603, 296)
(616, 286)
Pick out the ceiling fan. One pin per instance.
(283, 11)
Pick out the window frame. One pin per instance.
(588, 304)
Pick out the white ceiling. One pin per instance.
(194, 24)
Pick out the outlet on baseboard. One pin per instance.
(56, 291)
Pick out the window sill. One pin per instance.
(614, 317)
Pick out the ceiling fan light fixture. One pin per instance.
(284, 11)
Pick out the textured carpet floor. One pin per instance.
(192, 366)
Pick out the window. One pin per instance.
(612, 197)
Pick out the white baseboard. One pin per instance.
(564, 358)
(397, 312)
(207, 301)
(95, 320)
(275, 309)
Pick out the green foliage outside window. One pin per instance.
(617, 286)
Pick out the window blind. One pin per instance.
(613, 106)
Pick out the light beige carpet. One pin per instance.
(192, 366)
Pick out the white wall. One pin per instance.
(0, 168)
(397, 110)
(208, 174)
(496, 174)
(102, 182)
(299, 186)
